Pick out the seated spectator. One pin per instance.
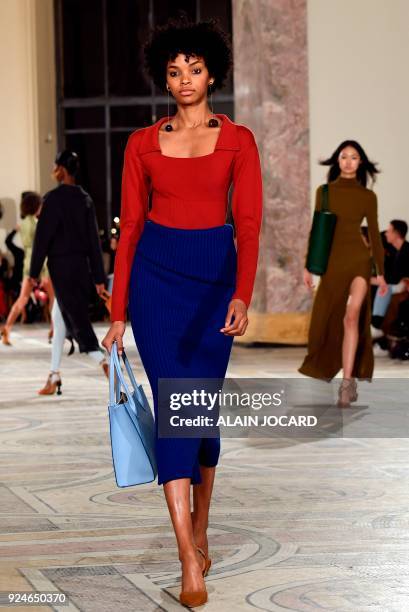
(385, 309)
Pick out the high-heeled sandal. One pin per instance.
(52, 385)
(354, 387)
(344, 393)
(208, 561)
(5, 337)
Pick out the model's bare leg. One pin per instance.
(177, 493)
(19, 304)
(358, 292)
(202, 494)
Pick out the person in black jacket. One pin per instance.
(396, 269)
(67, 234)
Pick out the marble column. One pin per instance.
(271, 97)
(28, 102)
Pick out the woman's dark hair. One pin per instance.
(365, 167)
(30, 203)
(204, 39)
(400, 226)
(68, 160)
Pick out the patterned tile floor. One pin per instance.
(295, 524)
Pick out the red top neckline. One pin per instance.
(161, 121)
(228, 138)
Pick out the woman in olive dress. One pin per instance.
(339, 334)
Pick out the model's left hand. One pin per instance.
(239, 309)
(383, 287)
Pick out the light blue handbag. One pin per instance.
(132, 427)
(381, 303)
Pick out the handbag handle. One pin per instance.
(324, 200)
(115, 368)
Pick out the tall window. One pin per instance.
(103, 93)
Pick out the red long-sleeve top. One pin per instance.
(190, 193)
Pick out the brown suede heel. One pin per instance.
(192, 599)
(208, 561)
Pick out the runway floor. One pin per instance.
(296, 524)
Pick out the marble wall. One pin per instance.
(271, 93)
(28, 103)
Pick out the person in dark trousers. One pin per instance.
(4, 271)
(14, 282)
(67, 234)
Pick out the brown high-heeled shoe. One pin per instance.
(52, 385)
(192, 599)
(5, 337)
(208, 561)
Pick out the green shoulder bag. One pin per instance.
(321, 235)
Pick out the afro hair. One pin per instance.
(205, 39)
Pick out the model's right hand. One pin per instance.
(115, 334)
(308, 279)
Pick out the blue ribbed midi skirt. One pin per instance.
(182, 281)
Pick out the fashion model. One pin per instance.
(67, 234)
(30, 207)
(339, 334)
(188, 287)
